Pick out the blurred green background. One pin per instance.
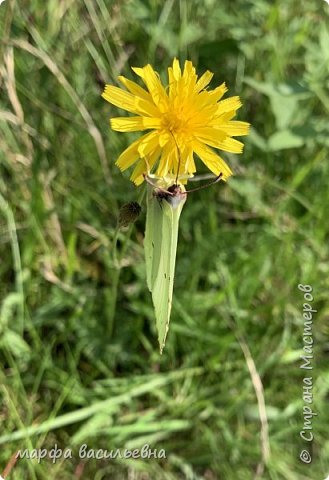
(79, 354)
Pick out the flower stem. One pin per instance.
(115, 267)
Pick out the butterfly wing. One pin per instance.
(161, 237)
(153, 235)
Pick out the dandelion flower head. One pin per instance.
(183, 119)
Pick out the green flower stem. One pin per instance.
(115, 267)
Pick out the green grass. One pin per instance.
(78, 348)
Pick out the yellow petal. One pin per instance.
(213, 161)
(202, 100)
(189, 70)
(210, 134)
(219, 139)
(189, 77)
(166, 160)
(170, 77)
(223, 118)
(137, 176)
(207, 99)
(129, 102)
(129, 156)
(176, 69)
(119, 98)
(191, 168)
(188, 80)
(154, 85)
(134, 124)
(134, 88)
(203, 81)
(148, 144)
(235, 128)
(164, 137)
(217, 93)
(232, 103)
(230, 145)
(144, 166)
(188, 165)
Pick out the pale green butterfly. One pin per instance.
(165, 200)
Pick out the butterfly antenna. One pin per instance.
(205, 186)
(147, 179)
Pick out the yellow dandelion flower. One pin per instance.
(184, 119)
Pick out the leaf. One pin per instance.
(283, 89)
(284, 99)
(284, 109)
(285, 139)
